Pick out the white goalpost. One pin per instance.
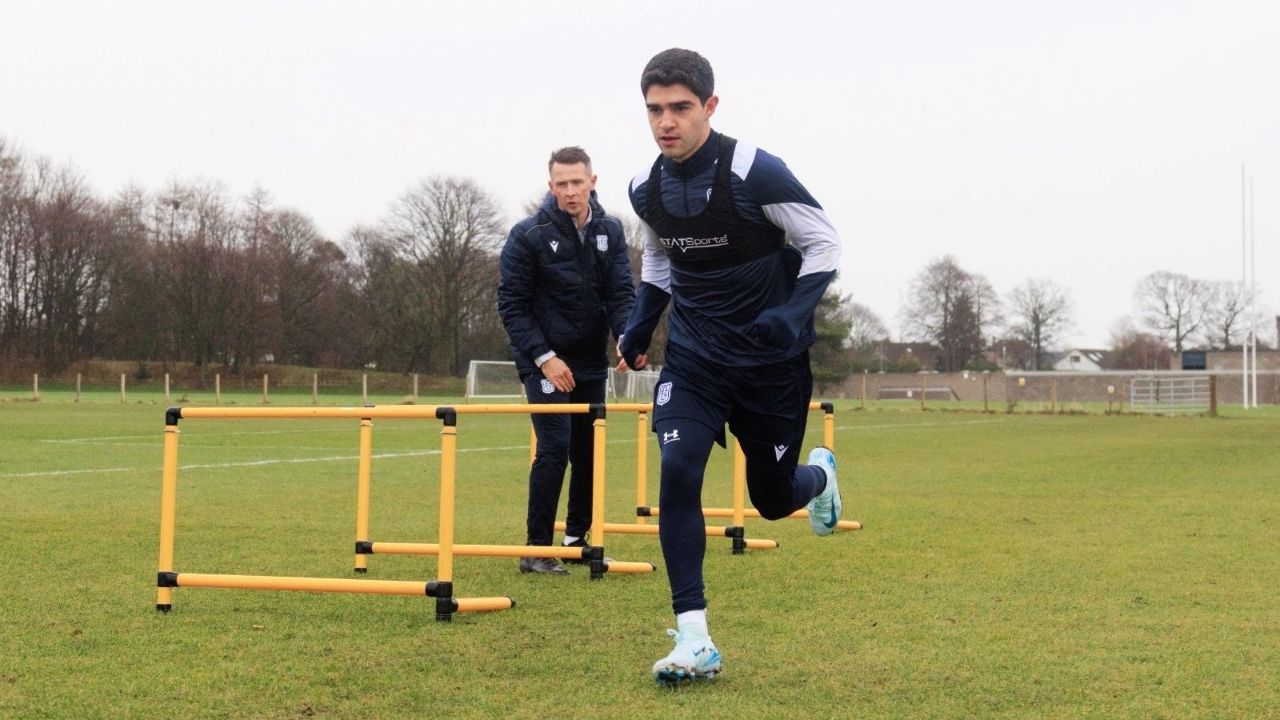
(493, 380)
(497, 380)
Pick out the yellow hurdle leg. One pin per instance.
(448, 487)
(739, 496)
(362, 489)
(168, 510)
(597, 491)
(642, 461)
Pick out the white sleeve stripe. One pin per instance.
(744, 155)
(655, 266)
(810, 230)
(639, 180)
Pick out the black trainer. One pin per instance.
(580, 543)
(549, 566)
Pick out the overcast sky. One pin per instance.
(1087, 142)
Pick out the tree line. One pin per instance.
(960, 313)
(190, 274)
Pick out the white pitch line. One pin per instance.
(259, 463)
(53, 473)
(416, 453)
(155, 436)
(915, 425)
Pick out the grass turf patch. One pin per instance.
(1012, 566)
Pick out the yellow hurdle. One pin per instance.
(441, 589)
(734, 532)
(739, 511)
(594, 554)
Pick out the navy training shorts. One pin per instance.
(765, 404)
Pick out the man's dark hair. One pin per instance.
(571, 155)
(680, 67)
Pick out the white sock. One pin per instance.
(568, 540)
(693, 622)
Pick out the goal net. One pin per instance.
(636, 385)
(497, 380)
(1170, 395)
(493, 380)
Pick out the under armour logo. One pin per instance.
(670, 436)
(555, 245)
(779, 451)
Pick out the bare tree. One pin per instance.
(1225, 305)
(865, 328)
(446, 228)
(1133, 349)
(16, 249)
(56, 259)
(199, 278)
(1171, 305)
(953, 309)
(132, 322)
(1041, 310)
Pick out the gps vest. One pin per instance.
(716, 238)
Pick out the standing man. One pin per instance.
(743, 253)
(565, 284)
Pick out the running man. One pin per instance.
(743, 253)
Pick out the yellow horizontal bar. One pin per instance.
(753, 513)
(633, 568)
(655, 511)
(247, 413)
(403, 548)
(629, 529)
(483, 604)
(534, 409)
(409, 412)
(759, 544)
(304, 584)
(638, 529)
(629, 407)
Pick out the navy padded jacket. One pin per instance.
(560, 293)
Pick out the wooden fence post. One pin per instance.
(1213, 396)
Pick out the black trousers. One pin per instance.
(563, 441)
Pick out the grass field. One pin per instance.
(1012, 566)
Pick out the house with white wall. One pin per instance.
(1081, 360)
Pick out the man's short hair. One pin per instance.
(678, 66)
(571, 155)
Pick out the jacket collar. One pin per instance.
(703, 158)
(552, 211)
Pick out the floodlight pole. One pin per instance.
(1244, 289)
(1253, 294)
